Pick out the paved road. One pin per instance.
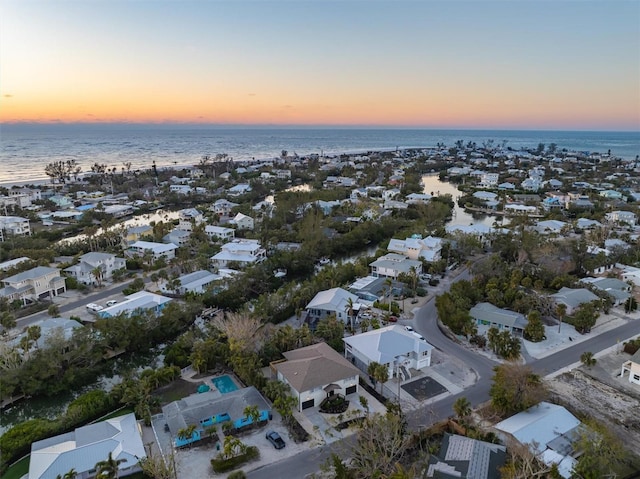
(96, 297)
(425, 322)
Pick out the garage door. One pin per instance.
(307, 404)
(351, 390)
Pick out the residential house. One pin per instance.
(392, 346)
(156, 250)
(84, 447)
(611, 194)
(417, 247)
(628, 217)
(181, 189)
(506, 186)
(550, 226)
(177, 237)
(573, 298)
(61, 202)
(333, 301)
(316, 372)
(487, 314)
(485, 195)
(134, 233)
(465, 458)
(242, 252)
(50, 327)
(85, 270)
(549, 430)
(239, 189)
(37, 283)
(136, 303)
(489, 180)
(587, 224)
(619, 291)
(210, 408)
(223, 207)
(33, 194)
(633, 368)
(393, 265)
(7, 265)
(418, 198)
(196, 282)
(219, 233)
(188, 218)
(369, 289)
(15, 225)
(243, 222)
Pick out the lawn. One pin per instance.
(18, 470)
(175, 391)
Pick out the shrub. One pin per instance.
(219, 464)
(631, 347)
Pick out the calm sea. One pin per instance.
(25, 150)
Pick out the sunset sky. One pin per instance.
(436, 64)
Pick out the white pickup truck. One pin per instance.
(94, 308)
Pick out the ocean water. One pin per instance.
(25, 150)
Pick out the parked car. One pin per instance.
(392, 319)
(275, 439)
(425, 277)
(94, 307)
(409, 328)
(111, 302)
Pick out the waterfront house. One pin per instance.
(223, 207)
(85, 270)
(242, 252)
(334, 301)
(134, 233)
(239, 189)
(37, 283)
(392, 346)
(316, 372)
(177, 237)
(49, 327)
(136, 303)
(84, 447)
(188, 218)
(417, 247)
(393, 265)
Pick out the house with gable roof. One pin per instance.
(37, 283)
(315, 372)
(84, 447)
(573, 298)
(84, 270)
(387, 346)
(466, 458)
(417, 247)
(489, 315)
(331, 301)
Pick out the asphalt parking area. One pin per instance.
(424, 388)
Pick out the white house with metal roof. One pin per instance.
(136, 303)
(219, 233)
(392, 265)
(157, 250)
(550, 432)
(315, 372)
(388, 346)
(243, 252)
(331, 301)
(633, 368)
(628, 217)
(84, 270)
(417, 247)
(196, 282)
(83, 448)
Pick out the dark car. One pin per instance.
(275, 439)
(392, 319)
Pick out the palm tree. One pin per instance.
(349, 309)
(561, 311)
(252, 412)
(462, 408)
(379, 373)
(388, 283)
(97, 274)
(108, 469)
(587, 359)
(71, 474)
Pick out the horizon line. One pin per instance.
(304, 126)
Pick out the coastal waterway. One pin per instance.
(50, 407)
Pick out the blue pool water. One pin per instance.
(224, 384)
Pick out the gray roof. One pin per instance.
(492, 314)
(33, 273)
(465, 457)
(86, 446)
(192, 409)
(385, 344)
(574, 297)
(315, 366)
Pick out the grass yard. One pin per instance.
(175, 391)
(18, 470)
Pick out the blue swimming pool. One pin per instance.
(224, 384)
